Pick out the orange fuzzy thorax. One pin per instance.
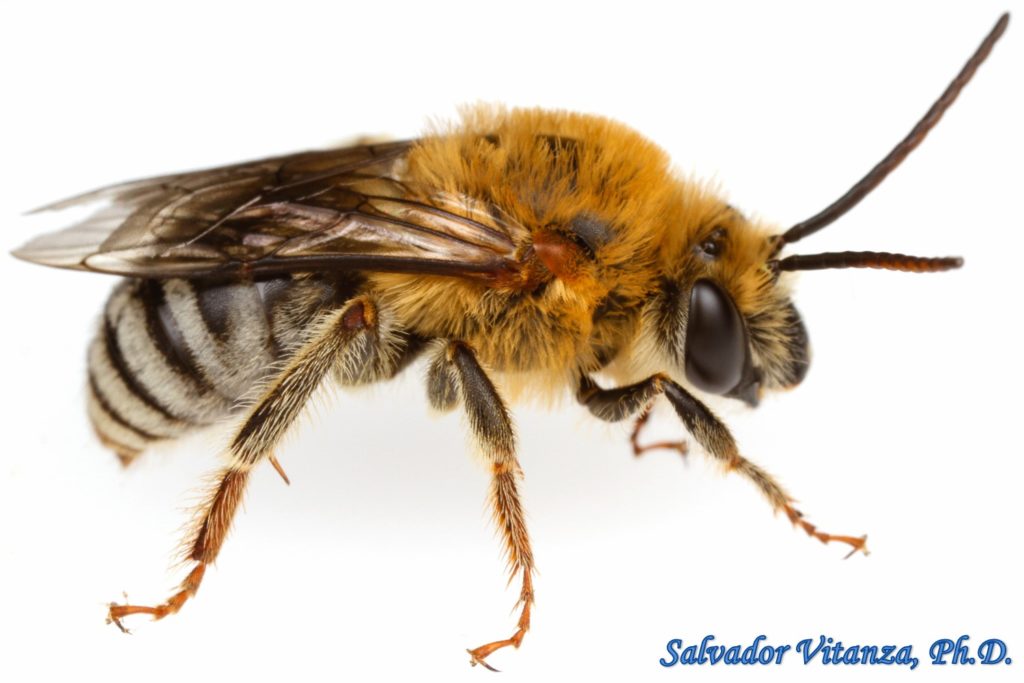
(545, 322)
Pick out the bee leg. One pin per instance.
(614, 405)
(346, 339)
(634, 437)
(491, 424)
(715, 438)
(212, 529)
(710, 433)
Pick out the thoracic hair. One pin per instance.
(604, 187)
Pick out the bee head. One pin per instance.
(725, 318)
(725, 315)
(724, 312)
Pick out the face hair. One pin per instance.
(874, 177)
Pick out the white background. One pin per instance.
(379, 562)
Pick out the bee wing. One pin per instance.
(336, 209)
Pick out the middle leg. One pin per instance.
(456, 373)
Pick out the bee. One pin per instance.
(513, 250)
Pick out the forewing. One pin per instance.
(336, 209)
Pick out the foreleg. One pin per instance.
(709, 432)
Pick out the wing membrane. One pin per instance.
(334, 209)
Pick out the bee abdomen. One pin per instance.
(172, 355)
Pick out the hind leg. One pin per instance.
(349, 341)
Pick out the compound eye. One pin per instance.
(716, 340)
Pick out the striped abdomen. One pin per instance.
(172, 355)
